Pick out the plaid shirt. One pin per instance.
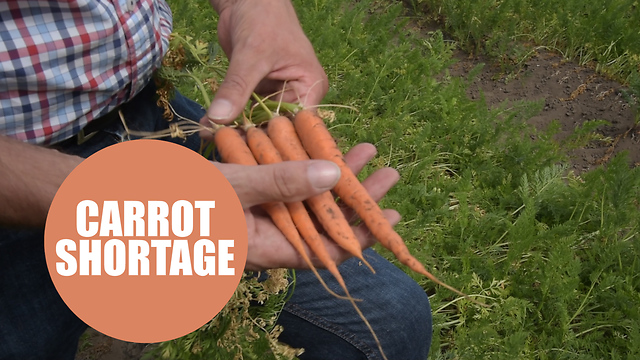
(66, 62)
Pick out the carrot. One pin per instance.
(233, 149)
(265, 152)
(285, 139)
(319, 144)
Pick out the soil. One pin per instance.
(572, 95)
(95, 346)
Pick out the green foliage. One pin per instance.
(486, 208)
(202, 62)
(605, 32)
(585, 134)
(244, 329)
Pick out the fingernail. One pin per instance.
(323, 175)
(220, 109)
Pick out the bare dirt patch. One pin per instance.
(572, 95)
(94, 345)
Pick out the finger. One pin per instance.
(305, 79)
(271, 252)
(359, 156)
(364, 236)
(243, 75)
(380, 182)
(207, 129)
(313, 95)
(271, 249)
(287, 181)
(377, 185)
(309, 89)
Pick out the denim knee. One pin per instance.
(408, 325)
(328, 328)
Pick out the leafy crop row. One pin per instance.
(604, 33)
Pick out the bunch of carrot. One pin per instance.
(307, 137)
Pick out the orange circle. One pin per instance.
(103, 218)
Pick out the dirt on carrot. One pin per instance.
(329, 214)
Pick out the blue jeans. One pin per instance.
(36, 324)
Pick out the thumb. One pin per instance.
(287, 181)
(243, 75)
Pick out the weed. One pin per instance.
(585, 134)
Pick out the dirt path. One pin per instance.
(572, 96)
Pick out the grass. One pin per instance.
(602, 34)
(486, 208)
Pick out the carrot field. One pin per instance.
(488, 202)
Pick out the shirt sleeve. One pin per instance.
(64, 63)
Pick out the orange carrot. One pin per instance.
(319, 144)
(265, 152)
(285, 139)
(233, 149)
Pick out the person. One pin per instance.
(68, 68)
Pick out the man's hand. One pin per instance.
(295, 181)
(266, 47)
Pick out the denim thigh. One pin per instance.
(329, 328)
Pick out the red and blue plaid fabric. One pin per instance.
(66, 62)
